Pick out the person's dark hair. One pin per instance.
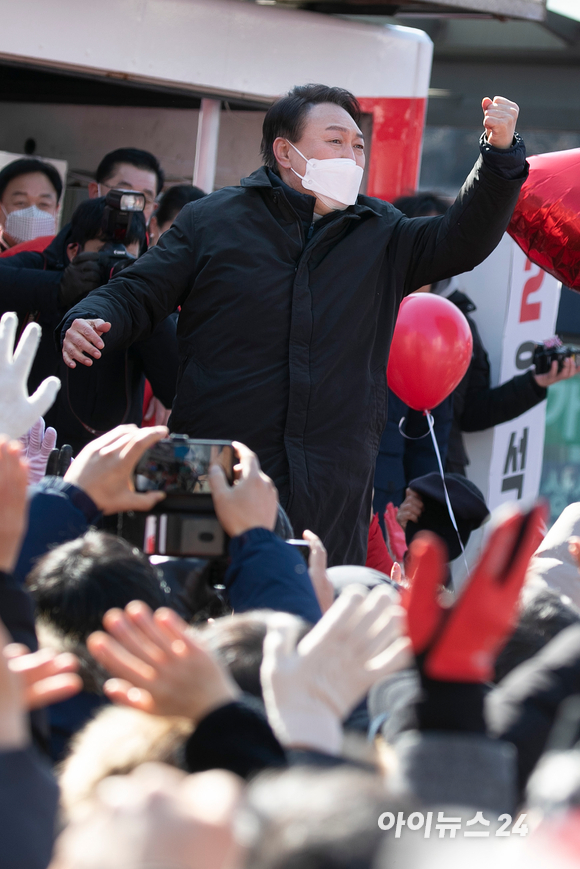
(422, 204)
(287, 116)
(87, 219)
(75, 584)
(238, 640)
(313, 818)
(26, 166)
(173, 201)
(135, 157)
(541, 618)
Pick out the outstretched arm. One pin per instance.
(137, 299)
(433, 248)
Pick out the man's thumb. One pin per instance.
(217, 481)
(486, 103)
(144, 501)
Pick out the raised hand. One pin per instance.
(460, 644)
(45, 676)
(104, 469)
(409, 511)
(18, 410)
(13, 485)
(83, 341)
(309, 689)
(252, 502)
(38, 444)
(499, 119)
(323, 587)
(29, 681)
(159, 667)
(395, 525)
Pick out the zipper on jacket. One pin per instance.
(298, 220)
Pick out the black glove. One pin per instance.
(83, 275)
(59, 461)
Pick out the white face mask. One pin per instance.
(336, 181)
(29, 223)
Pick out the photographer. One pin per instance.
(89, 404)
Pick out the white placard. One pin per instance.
(519, 306)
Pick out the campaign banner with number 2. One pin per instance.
(517, 306)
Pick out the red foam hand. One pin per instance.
(378, 556)
(460, 644)
(545, 222)
(396, 541)
(425, 574)
(486, 611)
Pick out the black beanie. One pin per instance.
(468, 505)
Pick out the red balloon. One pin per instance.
(430, 351)
(546, 222)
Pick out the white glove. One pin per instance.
(18, 411)
(309, 690)
(37, 445)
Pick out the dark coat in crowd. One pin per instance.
(476, 404)
(105, 395)
(286, 324)
(404, 458)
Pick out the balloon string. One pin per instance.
(447, 499)
(409, 437)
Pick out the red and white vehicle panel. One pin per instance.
(233, 49)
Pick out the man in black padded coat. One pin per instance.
(289, 287)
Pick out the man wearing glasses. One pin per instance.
(129, 169)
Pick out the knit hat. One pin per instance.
(468, 505)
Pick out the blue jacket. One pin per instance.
(401, 460)
(264, 573)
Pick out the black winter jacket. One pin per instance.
(284, 333)
(476, 404)
(101, 396)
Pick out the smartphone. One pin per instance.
(303, 548)
(179, 465)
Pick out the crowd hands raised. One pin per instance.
(270, 715)
(243, 740)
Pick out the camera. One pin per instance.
(120, 208)
(553, 351)
(184, 524)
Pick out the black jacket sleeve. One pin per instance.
(25, 285)
(236, 737)
(523, 707)
(434, 248)
(144, 294)
(478, 406)
(158, 359)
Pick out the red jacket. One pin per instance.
(37, 245)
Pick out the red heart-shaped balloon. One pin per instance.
(546, 219)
